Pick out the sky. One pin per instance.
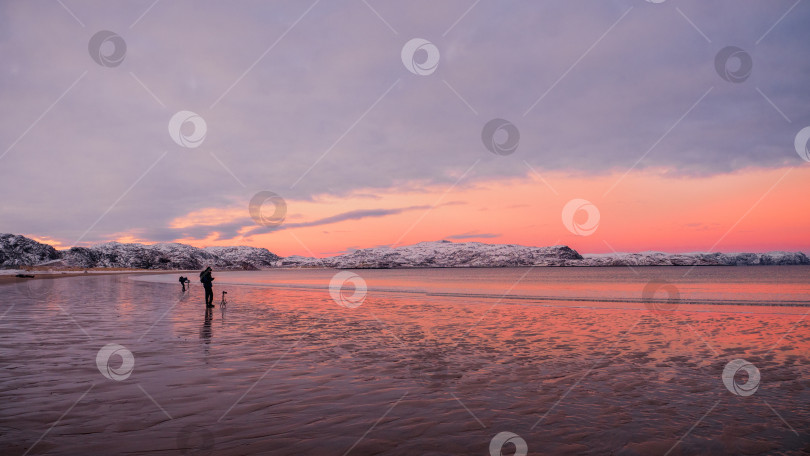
(316, 128)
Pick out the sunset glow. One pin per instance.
(752, 210)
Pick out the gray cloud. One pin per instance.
(345, 216)
(230, 230)
(300, 105)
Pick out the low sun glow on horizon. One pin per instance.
(752, 210)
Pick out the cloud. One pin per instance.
(332, 102)
(240, 227)
(345, 216)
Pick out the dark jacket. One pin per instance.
(206, 278)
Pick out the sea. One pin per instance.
(558, 361)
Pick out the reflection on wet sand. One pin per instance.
(295, 373)
(206, 332)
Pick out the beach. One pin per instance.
(399, 228)
(115, 364)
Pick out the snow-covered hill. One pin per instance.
(140, 256)
(16, 251)
(476, 254)
(692, 259)
(443, 254)
(247, 257)
(169, 256)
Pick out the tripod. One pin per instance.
(224, 302)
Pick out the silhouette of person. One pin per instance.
(183, 282)
(208, 284)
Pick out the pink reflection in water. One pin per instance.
(289, 371)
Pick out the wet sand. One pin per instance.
(289, 372)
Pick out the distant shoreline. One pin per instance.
(73, 272)
(41, 272)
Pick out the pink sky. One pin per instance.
(316, 103)
(752, 210)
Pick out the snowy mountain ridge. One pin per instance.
(477, 254)
(443, 254)
(17, 251)
(694, 259)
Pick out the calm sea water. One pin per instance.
(682, 288)
(431, 362)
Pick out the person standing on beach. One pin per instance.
(183, 282)
(208, 284)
